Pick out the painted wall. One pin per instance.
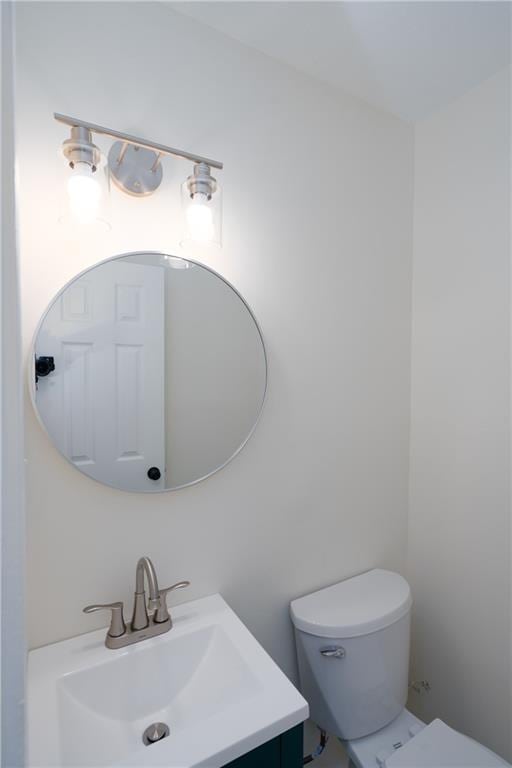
(317, 237)
(459, 528)
(12, 529)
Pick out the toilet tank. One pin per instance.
(353, 652)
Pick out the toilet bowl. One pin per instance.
(353, 652)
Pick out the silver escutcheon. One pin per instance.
(333, 652)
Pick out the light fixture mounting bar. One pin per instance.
(162, 149)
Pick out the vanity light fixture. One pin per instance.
(135, 167)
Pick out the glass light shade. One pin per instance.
(84, 192)
(87, 197)
(202, 217)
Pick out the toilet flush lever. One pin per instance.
(333, 652)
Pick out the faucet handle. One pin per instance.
(162, 613)
(117, 625)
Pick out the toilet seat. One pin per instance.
(374, 750)
(408, 743)
(439, 746)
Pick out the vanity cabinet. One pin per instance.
(285, 751)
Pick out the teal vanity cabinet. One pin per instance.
(285, 751)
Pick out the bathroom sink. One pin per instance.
(207, 679)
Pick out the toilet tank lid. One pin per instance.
(440, 745)
(356, 606)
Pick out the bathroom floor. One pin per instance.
(334, 755)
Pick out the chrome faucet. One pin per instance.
(140, 618)
(147, 620)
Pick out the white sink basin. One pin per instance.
(208, 679)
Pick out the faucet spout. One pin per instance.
(145, 567)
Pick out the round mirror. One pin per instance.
(149, 372)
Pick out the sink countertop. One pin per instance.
(208, 678)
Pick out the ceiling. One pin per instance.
(409, 58)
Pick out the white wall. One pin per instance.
(459, 528)
(12, 531)
(318, 238)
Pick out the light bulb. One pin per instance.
(176, 263)
(200, 218)
(84, 193)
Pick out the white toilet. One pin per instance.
(353, 651)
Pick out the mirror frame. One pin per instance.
(31, 370)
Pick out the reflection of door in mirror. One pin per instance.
(104, 404)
